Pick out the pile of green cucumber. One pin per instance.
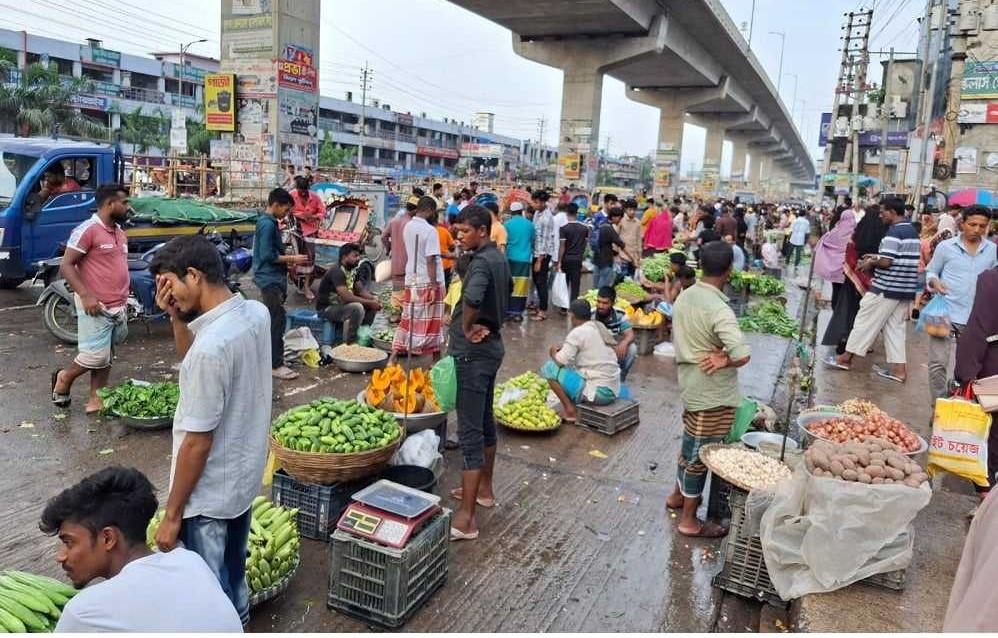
(31, 603)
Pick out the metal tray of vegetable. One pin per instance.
(140, 404)
(769, 317)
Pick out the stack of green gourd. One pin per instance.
(31, 603)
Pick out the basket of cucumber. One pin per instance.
(333, 440)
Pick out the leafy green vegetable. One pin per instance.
(140, 401)
(769, 317)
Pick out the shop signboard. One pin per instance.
(966, 160)
(433, 151)
(187, 73)
(220, 102)
(296, 69)
(92, 102)
(980, 80)
(299, 113)
(895, 139)
(250, 7)
(826, 125)
(666, 166)
(978, 113)
(99, 56)
(472, 149)
(571, 166)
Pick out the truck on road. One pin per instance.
(35, 226)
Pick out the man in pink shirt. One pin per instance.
(394, 243)
(309, 210)
(96, 267)
(658, 237)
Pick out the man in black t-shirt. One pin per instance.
(605, 251)
(573, 237)
(343, 298)
(478, 351)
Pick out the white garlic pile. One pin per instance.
(749, 468)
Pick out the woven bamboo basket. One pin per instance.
(326, 469)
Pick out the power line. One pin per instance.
(173, 18)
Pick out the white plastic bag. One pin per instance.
(509, 395)
(665, 349)
(383, 271)
(419, 449)
(559, 292)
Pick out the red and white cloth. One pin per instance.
(423, 317)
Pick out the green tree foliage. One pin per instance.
(329, 155)
(37, 103)
(146, 131)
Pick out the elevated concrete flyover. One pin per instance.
(685, 57)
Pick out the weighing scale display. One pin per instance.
(361, 522)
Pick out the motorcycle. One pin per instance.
(59, 306)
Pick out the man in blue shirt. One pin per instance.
(520, 235)
(270, 274)
(953, 273)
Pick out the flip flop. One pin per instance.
(886, 374)
(832, 362)
(456, 494)
(458, 535)
(60, 400)
(707, 530)
(538, 318)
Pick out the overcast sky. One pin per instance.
(432, 56)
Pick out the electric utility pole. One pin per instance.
(928, 96)
(366, 75)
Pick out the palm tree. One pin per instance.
(37, 103)
(145, 131)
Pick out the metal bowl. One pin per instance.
(147, 423)
(807, 437)
(415, 422)
(347, 365)
(753, 439)
(381, 344)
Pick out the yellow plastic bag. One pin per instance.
(311, 358)
(272, 466)
(453, 294)
(959, 442)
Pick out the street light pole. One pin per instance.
(751, 24)
(183, 54)
(793, 104)
(783, 45)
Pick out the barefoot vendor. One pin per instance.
(709, 348)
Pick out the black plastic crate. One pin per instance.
(609, 419)
(385, 586)
(319, 506)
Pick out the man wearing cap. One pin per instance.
(519, 251)
(393, 241)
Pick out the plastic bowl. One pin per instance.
(414, 476)
(753, 439)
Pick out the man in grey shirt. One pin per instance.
(221, 425)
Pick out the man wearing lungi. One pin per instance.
(421, 330)
(710, 347)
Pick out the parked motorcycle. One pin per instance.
(59, 312)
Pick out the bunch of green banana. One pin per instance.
(31, 603)
(273, 542)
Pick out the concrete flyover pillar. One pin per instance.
(584, 62)
(671, 121)
(738, 163)
(712, 150)
(755, 171)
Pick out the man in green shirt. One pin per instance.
(709, 349)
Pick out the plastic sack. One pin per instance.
(822, 534)
(383, 271)
(443, 379)
(364, 335)
(298, 341)
(559, 291)
(744, 416)
(959, 443)
(934, 320)
(665, 349)
(422, 449)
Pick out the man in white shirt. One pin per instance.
(101, 523)
(799, 231)
(421, 330)
(222, 424)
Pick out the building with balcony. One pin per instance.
(393, 143)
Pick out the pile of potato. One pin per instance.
(871, 461)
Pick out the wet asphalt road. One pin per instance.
(578, 543)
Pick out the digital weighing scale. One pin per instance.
(388, 513)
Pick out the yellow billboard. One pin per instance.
(572, 168)
(220, 101)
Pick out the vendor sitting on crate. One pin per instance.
(343, 297)
(616, 321)
(585, 367)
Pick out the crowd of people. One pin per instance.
(462, 268)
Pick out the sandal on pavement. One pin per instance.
(60, 400)
(707, 530)
(284, 373)
(458, 535)
(832, 362)
(887, 374)
(458, 493)
(538, 317)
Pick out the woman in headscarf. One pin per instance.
(865, 241)
(830, 252)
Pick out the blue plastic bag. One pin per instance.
(934, 318)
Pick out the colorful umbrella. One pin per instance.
(972, 197)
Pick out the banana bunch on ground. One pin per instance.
(273, 543)
(644, 319)
(31, 603)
